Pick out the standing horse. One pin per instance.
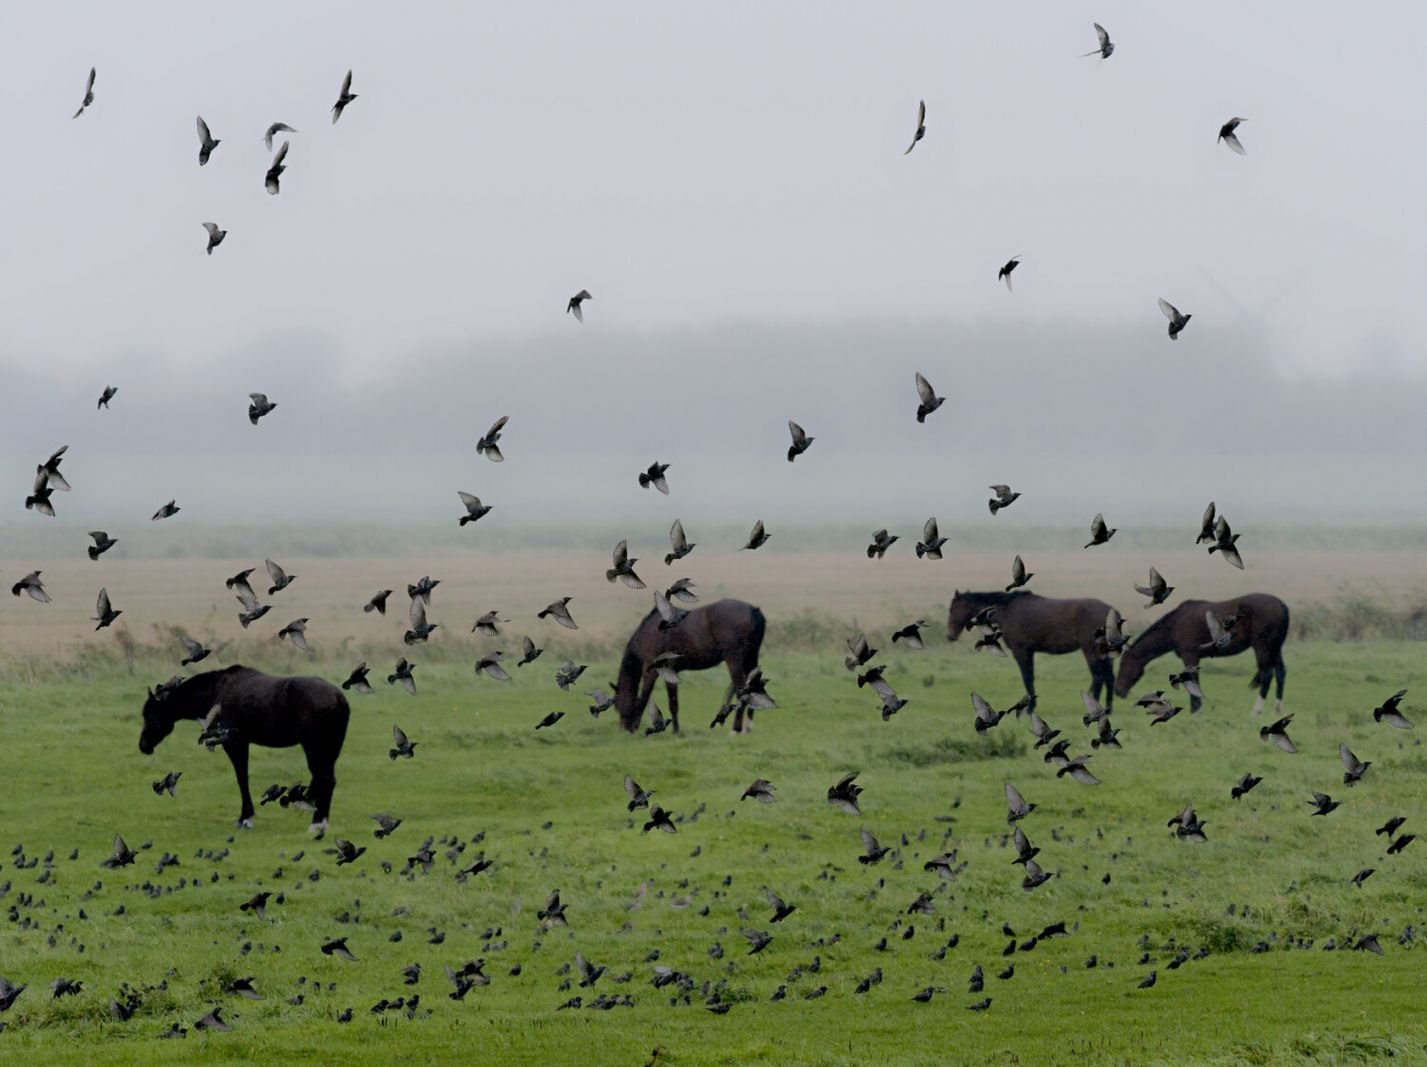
(1031, 624)
(1259, 621)
(727, 631)
(253, 708)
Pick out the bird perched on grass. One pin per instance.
(345, 97)
(927, 399)
(801, 441)
(1177, 320)
(921, 126)
(1099, 532)
(1228, 133)
(655, 476)
(931, 543)
(574, 306)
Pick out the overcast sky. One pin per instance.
(716, 177)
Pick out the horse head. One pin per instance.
(627, 692)
(960, 614)
(159, 718)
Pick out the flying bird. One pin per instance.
(106, 396)
(489, 665)
(1099, 532)
(215, 238)
(928, 401)
(1353, 768)
(678, 543)
(296, 632)
(194, 652)
(88, 93)
(275, 128)
(401, 745)
(801, 441)
(1277, 732)
(1158, 590)
(402, 674)
(1224, 543)
(881, 541)
(1206, 526)
(1107, 47)
(559, 610)
(871, 850)
(655, 476)
(1322, 803)
(843, 794)
(104, 614)
(280, 578)
(420, 628)
(574, 306)
(1244, 784)
(1177, 320)
(1019, 577)
(758, 537)
(489, 445)
(921, 127)
(930, 544)
(474, 508)
(168, 511)
(377, 603)
(122, 855)
(1005, 272)
(623, 569)
(39, 498)
(1004, 498)
(1016, 806)
(167, 784)
(1228, 134)
(206, 143)
(358, 679)
(488, 625)
(272, 181)
(1385, 712)
(258, 406)
(345, 97)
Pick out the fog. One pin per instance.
(731, 185)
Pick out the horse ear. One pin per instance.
(151, 692)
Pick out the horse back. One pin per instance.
(1047, 624)
(282, 711)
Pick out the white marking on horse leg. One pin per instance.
(1278, 706)
(1258, 706)
(318, 827)
(245, 824)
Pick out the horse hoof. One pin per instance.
(245, 824)
(318, 827)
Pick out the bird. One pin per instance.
(1076, 769)
(338, 947)
(194, 652)
(669, 615)
(1221, 631)
(1110, 637)
(657, 722)
(275, 128)
(488, 624)
(272, 180)
(801, 441)
(757, 538)
(252, 610)
(758, 940)
(655, 476)
(1106, 735)
(1322, 803)
(215, 238)
(928, 401)
(206, 142)
(575, 305)
(860, 652)
(1149, 980)
(474, 508)
(489, 445)
(402, 674)
(1400, 843)
(280, 578)
(921, 127)
(489, 664)
(243, 987)
(1041, 730)
(568, 674)
(589, 973)
(678, 543)
(530, 653)
(345, 851)
(1277, 732)
(1005, 273)
(781, 908)
(638, 796)
(843, 794)
(1099, 533)
(986, 715)
(1224, 540)
(358, 679)
(1004, 497)
(88, 93)
(168, 511)
(258, 406)
(762, 791)
(660, 819)
(213, 1020)
(9, 992)
(167, 784)
(1189, 680)
(602, 701)
(1228, 134)
(559, 610)
(1177, 320)
(1362, 876)
(550, 720)
(1206, 526)
(1019, 577)
(1385, 712)
(1244, 784)
(106, 396)
(930, 544)
(871, 850)
(881, 541)
(1035, 876)
(1353, 768)
(296, 632)
(420, 628)
(345, 97)
(402, 746)
(423, 588)
(911, 635)
(39, 498)
(104, 614)
(122, 855)
(377, 603)
(257, 904)
(1107, 47)
(980, 1005)
(623, 569)
(1391, 826)
(1158, 590)
(102, 543)
(1016, 806)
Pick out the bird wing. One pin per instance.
(631, 787)
(398, 737)
(276, 573)
(1351, 763)
(1014, 798)
(868, 841)
(621, 555)
(203, 134)
(347, 84)
(924, 389)
(119, 847)
(246, 597)
(929, 532)
(101, 605)
(1156, 580)
(662, 605)
(497, 426)
(1097, 526)
(417, 613)
(90, 86)
(798, 433)
(1216, 628)
(757, 534)
(1104, 37)
(984, 711)
(1170, 311)
(1232, 140)
(676, 536)
(1018, 570)
(472, 502)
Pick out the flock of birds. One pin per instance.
(466, 860)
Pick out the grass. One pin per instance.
(549, 807)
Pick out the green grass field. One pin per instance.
(550, 807)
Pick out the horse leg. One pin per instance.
(238, 754)
(1262, 676)
(1280, 672)
(737, 676)
(1025, 660)
(1191, 661)
(673, 693)
(1107, 675)
(322, 763)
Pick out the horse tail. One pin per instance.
(760, 626)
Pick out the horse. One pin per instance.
(1031, 624)
(727, 631)
(252, 708)
(1260, 622)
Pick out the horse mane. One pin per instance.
(994, 598)
(1155, 633)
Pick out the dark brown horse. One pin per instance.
(258, 709)
(727, 631)
(1259, 621)
(1031, 624)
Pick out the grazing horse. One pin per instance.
(253, 708)
(1031, 624)
(727, 631)
(1260, 622)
